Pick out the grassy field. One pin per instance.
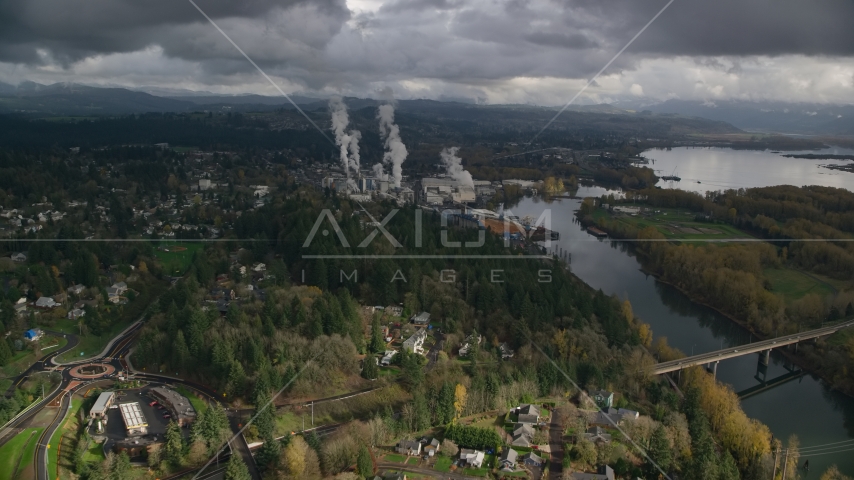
(62, 439)
(23, 359)
(91, 345)
(394, 457)
(18, 452)
(794, 284)
(176, 263)
(412, 461)
(95, 453)
(675, 224)
(198, 404)
(443, 464)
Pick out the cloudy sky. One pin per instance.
(508, 51)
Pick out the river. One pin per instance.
(703, 169)
(805, 406)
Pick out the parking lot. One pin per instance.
(153, 414)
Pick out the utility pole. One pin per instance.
(312, 413)
(774, 472)
(785, 464)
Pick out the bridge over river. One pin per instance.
(764, 347)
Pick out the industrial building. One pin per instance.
(135, 422)
(180, 406)
(435, 191)
(102, 404)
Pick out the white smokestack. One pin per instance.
(395, 150)
(454, 166)
(348, 143)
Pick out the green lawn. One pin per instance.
(90, 345)
(394, 457)
(95, 453)
(675, 224)
(19, 451)
(412, 461)
(69, 425)
(198, 404)
(176, 263)
(794, 284)
(443, 464)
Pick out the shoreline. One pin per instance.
(796, 359)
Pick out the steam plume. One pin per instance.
(454, 166)
(348, 143)
(395, 150)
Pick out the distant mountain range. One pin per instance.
(779, 117)
(70, 99)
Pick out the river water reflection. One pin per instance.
(804, 406)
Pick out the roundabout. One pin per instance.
(91, 371)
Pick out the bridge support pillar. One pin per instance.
(765, 357)
(713, 368)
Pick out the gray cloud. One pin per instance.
(520, 50)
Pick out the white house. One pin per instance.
(473, 458)
(415, 343)
(19, 257)
(46, 302)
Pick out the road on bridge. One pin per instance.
(732, 352)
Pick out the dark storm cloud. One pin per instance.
(74, 29)
(737, 27)
(576, 40)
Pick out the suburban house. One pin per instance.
(113, 295)
(33, 334)
(431, 447)
(597, 435)
(522, 440)
(409, 447)
(386, 360)
(394, 310)
(523, 435)
(612, 416)
(19, 257)
(415, 343)
(76, 289)
(46, 302)
(422, 318)
(603, 398)
(508, 460)
(469, 342)
(531, 459)
(121, 287)
(603, 473)
(523, 429)
(506, 351)
(528, 414)
(473, 458)
(76, 313)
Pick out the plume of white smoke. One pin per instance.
(348, 143)
(395, 150)
(454, 166)
(379, 171)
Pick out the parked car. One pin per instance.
(166, 415)
(152, 403)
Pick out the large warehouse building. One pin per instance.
(135, 422)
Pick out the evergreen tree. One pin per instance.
(174, 443)
(377, 343)
(659, 452)
(236, 469)
(369, 367)
(364, 464)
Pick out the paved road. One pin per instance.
(755, 347)
(39, 365)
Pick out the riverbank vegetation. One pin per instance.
(796, 281)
